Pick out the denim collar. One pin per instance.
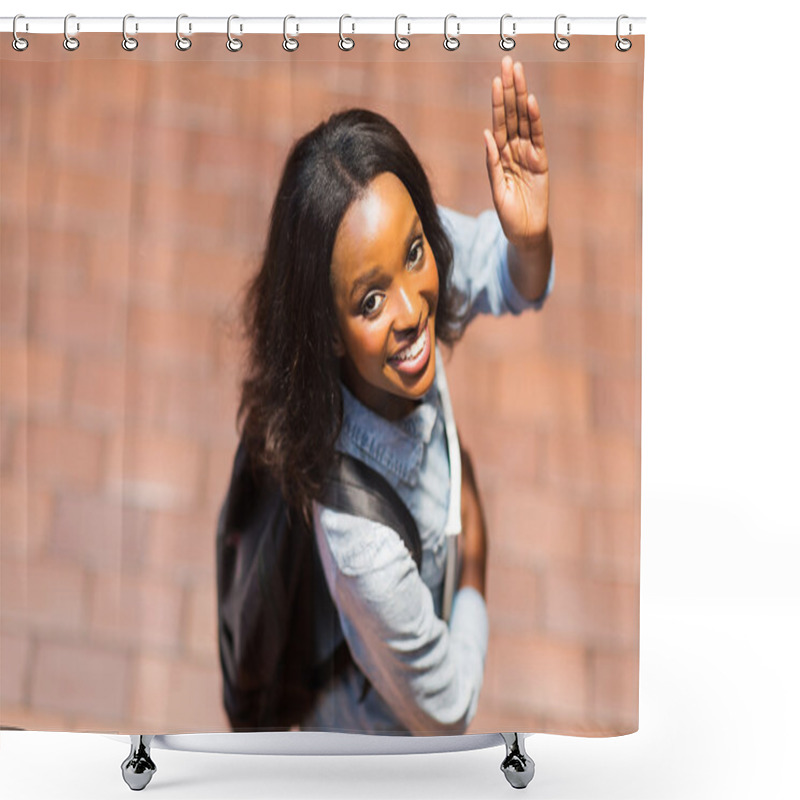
(396, 446)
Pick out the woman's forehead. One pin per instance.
(375, 225)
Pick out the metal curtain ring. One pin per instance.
(560, 44)
(182, 42)
(345, 42)
(451, 42)
(623, 45)
(290, 44)
(233, 44)
(70, 42)
(129, 43)
(506, 42)
(18, 43)
(400, 42)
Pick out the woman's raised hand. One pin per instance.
(516, 159)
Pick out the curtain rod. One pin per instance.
(350, 25)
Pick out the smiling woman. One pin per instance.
(387, 313)
(362, 275)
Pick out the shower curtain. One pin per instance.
(136, 195)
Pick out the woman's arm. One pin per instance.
(429, 674)
(516, 160)
(473, 530)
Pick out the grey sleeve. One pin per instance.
(480, 265)
(430, 674)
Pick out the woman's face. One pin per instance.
(385, 289)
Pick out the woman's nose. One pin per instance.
(409, 310)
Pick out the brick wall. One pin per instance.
(135, 193)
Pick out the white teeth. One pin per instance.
(413, 350)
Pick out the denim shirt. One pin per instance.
(426, 674)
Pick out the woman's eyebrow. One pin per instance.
(364, 280)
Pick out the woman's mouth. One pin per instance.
(413, 358)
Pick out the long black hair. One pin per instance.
(291, 404)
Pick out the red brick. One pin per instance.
(211, 279)
(59, 454)
(201, 627)
(171, 696)
(31, 377)
(613, 542)
(148, 702)
(135, 610)
(529, 527)
(502, 337)
(14, 309)
(80, 678)
(502, 451)
(617, 403)
(535, 674)
(593, 333)
(230, 348)
(57, 258)
(88, 321)
(112, 89)
(202, 407)
(147, 272)
(9, 449)
(106, 391)
(512, 597)
(181, 544)
(470, 377)
(99, 532)
(25, 518)
(615, 695)
(15, 652)
(220, 464)
(489, 719)
(169, 337)
(536, 391)
(155, 469)
(44, 595)
(614, 267)
(86, 137)
(196, 698)
(601, 466)
(590, 610)
(166, 207)
(32, 719)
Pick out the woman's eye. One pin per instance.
(416, 253)
(371, 304)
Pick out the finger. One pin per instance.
(509, 98)
(521, 91)
(535, 117)
(498, 114)
(493, 165)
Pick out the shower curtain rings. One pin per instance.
(182, 42)
(290, 44)
(233, 44)
(400, 42)
(70, 42)
(451, 42)
(18, 43)
(129, 43)
(623, 45)
(506, 42)
(560, 44)
(345, 42)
